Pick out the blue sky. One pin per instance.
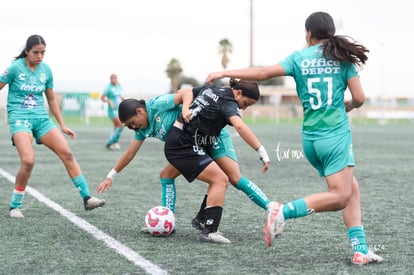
(88, 40)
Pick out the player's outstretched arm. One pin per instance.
(122, 162)
(250, 138)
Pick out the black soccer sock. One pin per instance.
(213, 217)
(85, 199)
(201, 215)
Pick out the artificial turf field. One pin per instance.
(58, 236)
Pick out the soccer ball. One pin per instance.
(160, 221)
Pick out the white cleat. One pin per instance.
(116, 146)
(93, 203)
(275, 222)
(212, 237)
(368, 258)
(15, 213)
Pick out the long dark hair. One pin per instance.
(248, 88)
(32, 41)
(127, 108)
(335, 47)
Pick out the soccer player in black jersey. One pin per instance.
(199, 126)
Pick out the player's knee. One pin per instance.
(234, 179)
(169, 172)
(222, 180)
(342, 199)
(27, 164)
(67, 155)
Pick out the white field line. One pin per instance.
(121, 249)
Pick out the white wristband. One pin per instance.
(111, 174)
(263, 154)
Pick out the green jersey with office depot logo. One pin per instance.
(26, 89)
(162, 113)
(320, 85)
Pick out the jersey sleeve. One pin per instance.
(7, 75)
(162, 102)
(196, 90)
(351, 70)
(288, 65)
(230, 109)
(49, 82)
(106, 90)
(139, 136)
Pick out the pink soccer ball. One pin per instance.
(160, 221)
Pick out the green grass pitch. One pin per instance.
(48, 242)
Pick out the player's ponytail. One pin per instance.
(344, 48)
(335, 47)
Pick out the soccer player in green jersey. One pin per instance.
(29, 78)
(322, 72)
(112, 95)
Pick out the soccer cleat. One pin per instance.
(212, 237)
(15, 213)
(93, 203)
(113, 147)
(197, 224)
(274, 222)
(370, 257)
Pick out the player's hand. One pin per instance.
(104, 186)
(213, 76)
(264, 157)
(186, 113)
(265, 166)
(348, 105)
(69, 132)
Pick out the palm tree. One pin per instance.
(225, 48)
(188, 80)
(174, 71)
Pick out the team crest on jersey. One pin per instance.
(42, 78)
(30, 101)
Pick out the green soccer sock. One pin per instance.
(168, 193)
(111, 137)
(253, 192)
(81, 184)
(116, 135)
(295, 209)
(17, 197)
(356, 236)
